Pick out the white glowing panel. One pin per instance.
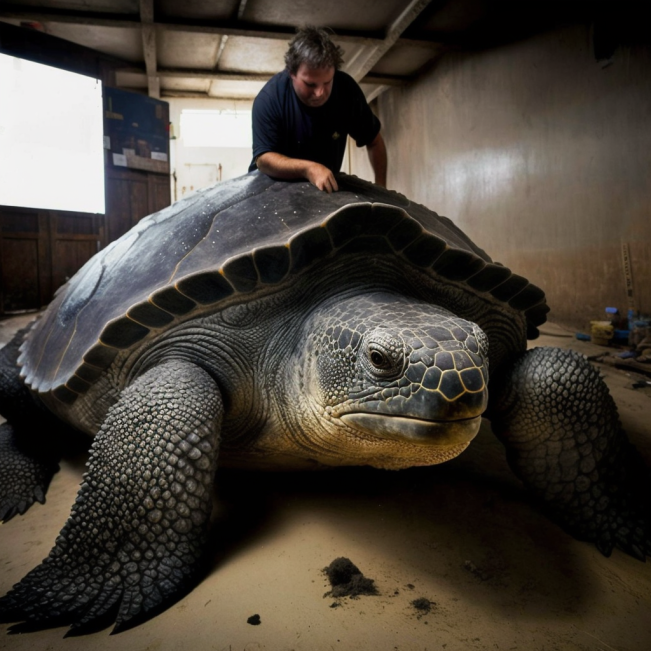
(209, 128)
(51, 138)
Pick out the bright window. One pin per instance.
(51, 138)
(210, 128)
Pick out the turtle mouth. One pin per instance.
(415, 430)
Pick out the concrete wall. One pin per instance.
(542, 156)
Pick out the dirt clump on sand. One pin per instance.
(347, 580)
(422, 605)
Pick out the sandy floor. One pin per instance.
(463, 536)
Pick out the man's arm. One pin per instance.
(377, 155)
(283, 167)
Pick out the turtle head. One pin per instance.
(405, 378)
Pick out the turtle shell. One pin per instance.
(242, 237)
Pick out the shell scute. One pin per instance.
(362, 220)
(78, 385)
(404, 233)
(65, 394)
(89, 373)
(123, 333)
(206, 288)
(100, 356)
(511, 287)
(489, 277)
(172, 301)
(454, 264)
(309, 246)
(367, 245)
(272, 263)
(241, 273)
(528, 297)
(425, 250)
(147, 314)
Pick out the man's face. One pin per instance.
(313, 85)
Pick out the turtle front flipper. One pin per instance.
(136, 533)
(564, 440)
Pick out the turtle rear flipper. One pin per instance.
(29, 454)
(564, 440)
(136, 533)
(24, 478)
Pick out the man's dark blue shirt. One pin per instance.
(284, 125)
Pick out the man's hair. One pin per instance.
(313, 47)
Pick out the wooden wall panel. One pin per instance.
(37, 260)
(75, 238)
(82, 224)
(139, 204)
(118, 207)
(19, 221)
(70, 255)
(159, 192)
(19, 273)
(24, 261)
(132, 195)
(41, 249)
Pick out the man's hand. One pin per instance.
(283, 167)
(322, 177)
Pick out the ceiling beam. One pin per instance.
(147, 11)
(363, 64)
(149, 47)
(225, 28)
(365, 59)
(195, 94)
(386, 80)
(224, 39)
(211, 75)
(89, 19)
(224, 75)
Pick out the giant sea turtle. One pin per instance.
(267, 324)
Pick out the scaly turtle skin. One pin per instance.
(283, 327)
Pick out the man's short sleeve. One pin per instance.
(364, 124)
(266, 124)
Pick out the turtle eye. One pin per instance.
(384, 354)
(378, 359)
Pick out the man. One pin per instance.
(303, 115)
